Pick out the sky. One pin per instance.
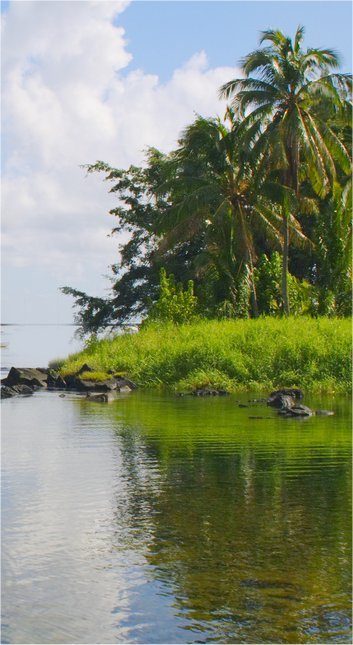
(91, 80)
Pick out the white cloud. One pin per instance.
(67, 100)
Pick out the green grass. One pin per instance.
(95, 376)
(233, 354)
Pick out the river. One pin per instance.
(158, 519)
(165, 520)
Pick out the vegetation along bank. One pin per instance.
(235, 247)
(260, 354)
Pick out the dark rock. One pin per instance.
(71, 381)
(26, 376)
(7, 392)
(75, 382)
(84, 368)
(20, 389)
(24, 390)
(125, 389)
(281, 401)
(121, 382)
(293, 392)
(57, 383)
(300, 411)
(103, 397)
(324, 413)
(38, 378)
(96, 386)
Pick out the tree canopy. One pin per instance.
(254, 209)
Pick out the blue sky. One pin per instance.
(227, 30)
(89, 80)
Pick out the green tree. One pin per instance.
(289, 101)
(174, 303)
(333, 231)
(213, 188)
(135, 277)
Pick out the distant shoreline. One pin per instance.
(38, 324)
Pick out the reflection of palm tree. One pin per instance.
(289, 100)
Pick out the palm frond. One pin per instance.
(299, 35)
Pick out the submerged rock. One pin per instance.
(104, 397)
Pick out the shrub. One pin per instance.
(174, 303)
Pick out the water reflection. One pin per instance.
(166, 520)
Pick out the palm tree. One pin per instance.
(284, 101)
(213, 190)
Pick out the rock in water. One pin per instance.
(8, 392)
(281, 401)
(287, 391)
(104, 397)
(300, 411)
(26, 376)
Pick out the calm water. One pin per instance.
(36, 345)
(174, 520)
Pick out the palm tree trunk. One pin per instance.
(255, 306)
(291, 180)
(285, 298)
(248, 258)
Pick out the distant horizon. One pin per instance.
(35, 324)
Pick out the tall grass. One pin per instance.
(232, 354)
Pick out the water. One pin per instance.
(158, 519)
(36, 345)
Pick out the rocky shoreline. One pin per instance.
(26, 381)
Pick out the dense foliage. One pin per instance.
(251, 214)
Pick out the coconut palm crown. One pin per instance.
(289, 103)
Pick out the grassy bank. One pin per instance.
(234, 354)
